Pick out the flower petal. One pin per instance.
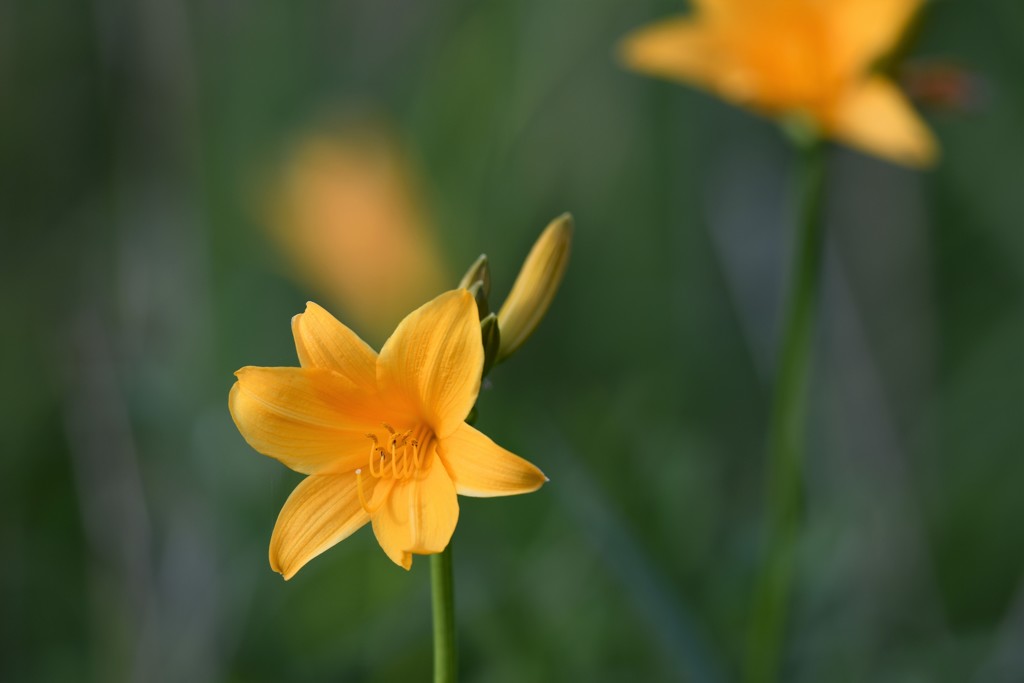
(432, 362)
(861, 31)
(324, 342)
(311, 420)
(676, 48)
(479, 467)
(322, 511)
(418, 517)
(875, 117)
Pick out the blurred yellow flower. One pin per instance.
(804, 60)
(535, 286)
(349, 216)
(382, 437)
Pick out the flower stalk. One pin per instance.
(786, 431)
(442, 593)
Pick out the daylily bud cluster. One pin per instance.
(534, 289)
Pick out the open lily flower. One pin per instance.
(808, 60)
(382, 437)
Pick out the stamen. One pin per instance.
(379, 470)
(405, 465)
(417, 457)
(373, 449)
(397, 453)
(362, 496)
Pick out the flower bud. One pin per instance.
(535, 285)
(491, 336)
(478, 281)
(480, 272)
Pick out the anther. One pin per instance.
(417, 457)
(379, 470)
(396, 453)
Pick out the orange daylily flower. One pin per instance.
(806, 59)
(382, 437)
(348, 197)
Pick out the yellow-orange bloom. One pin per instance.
(382, 437)
(349, 201)
(805, 59)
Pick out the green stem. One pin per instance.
(442, 591)
(442, 596)
(786, 431)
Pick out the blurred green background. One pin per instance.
(136, 274)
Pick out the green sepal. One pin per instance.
(491, 336)
(482, 307)
(478, 281)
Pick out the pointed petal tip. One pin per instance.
(314, 306)
(876, 118)
(464, 296)
(405, 563)
(275, 566)
(625, 49)
(928, 155)
(564, 224)
(481, 468)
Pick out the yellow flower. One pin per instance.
(382, 437)
(800, 59)
(535, 286)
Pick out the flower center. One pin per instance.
(396, 456)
